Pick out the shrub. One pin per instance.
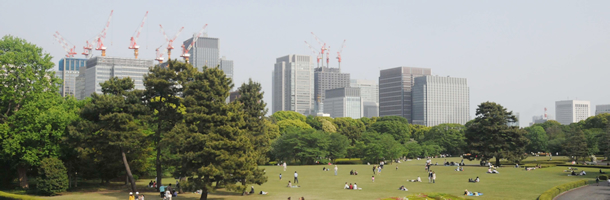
(5, 195)
(52, 177)
(348, 161)
(603, 177)
(553, 192)
(589, 166)
(272, 163)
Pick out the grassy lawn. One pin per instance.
(511, 183)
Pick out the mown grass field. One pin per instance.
(511, 183)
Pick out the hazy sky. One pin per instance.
(524, 55)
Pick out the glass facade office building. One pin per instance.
(395, 90)
(101, 69)
(68, 71)
(206, 52)
(438, 100)
(344, 102)
(293, 84)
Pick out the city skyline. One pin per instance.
(506, 50)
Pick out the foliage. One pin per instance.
(427, 196)
(375, 147)
(553, 192)
(287, 124)
(302, 145)
(393, 118)
(5, 195)
(348, 161)
(577, 146)
(350, 127)
(418, 132)
(489, 136)
(396, 129)
(538, 139)
(288, 115)
(338, 146)
(450, 137)
(52, 177)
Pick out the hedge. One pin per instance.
(589, 166)
(5, 195)
(553, 192)
(603, 177)
(428, 196)
(348, 161)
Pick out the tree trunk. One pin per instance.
(497, 161)
(23, 178)
(204, 190)
(75, 179)
(129, 175)
(158, 159)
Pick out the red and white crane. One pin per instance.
(339, 53)
(185, 50)
(159, 55)
(98, 41)
(328, 57)
(134, 39)
(169, 42)
(322, 45)
(314, 52)
(69, 51)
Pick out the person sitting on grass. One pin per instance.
(356, 186)
(477, 179)
(582, 173)
(351, 172)
(351, 187)
(346, 186)
(573, 173)
(291, 186)
(263, 192)
(403, 188)
(355, 172)
(600, 171)
(516, 165)
(489, 171)
(415, 180)
(495, 171)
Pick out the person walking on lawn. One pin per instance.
(296, 177)
(336, 168)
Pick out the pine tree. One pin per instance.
(577, 146)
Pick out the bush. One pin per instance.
(52, 177)
(589, 166)
(348, 161)
(4, 195)
(553, 192)
(603, 177)
(272, 163)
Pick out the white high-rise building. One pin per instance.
(369, 90)
(101, 69)
(438, 100)
(571, 111)
(599, 109)
(293, 88)
(344, 102)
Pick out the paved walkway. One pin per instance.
(588, 192)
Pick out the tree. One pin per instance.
(288, 115)
(262, 131)
(392, 148)
(338, 146)
(286, 124)
(350, 127)
(110, 122)
(488, 135)
(418, 132)
(52, 177)
(577, 146)
(163, 86)
(412, 150)
(213, 145)
(538, 139)
(25, 70)
(393, 118)
(396, 129)
(450, 137)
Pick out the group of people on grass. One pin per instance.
(351, 187)
(353, 172)
(138, 196)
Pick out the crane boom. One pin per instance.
(169, 42)
(100, 38)
(339, 53)
(70, 51)
(185, 51)
(134, 39)
(314, 52)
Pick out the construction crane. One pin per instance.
(185, 51)
(87, 49)
(314, 52)
(69, 51)
(159, 55)
(169, 42)
(100, 38)
(322, 45)
(339, 53)
(328, 57)
(134, 39)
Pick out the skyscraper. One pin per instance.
(599, 109)
(206, 52)
(438, 100)
(395, 90)
(293, 84)
(227, 67)
(326, 78)
(571, 111)
(101, 69)
(343, 102)
(68, 71)
(369, 90)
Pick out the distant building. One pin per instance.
(599, 109)
(227, 67)
(101, 69)
(368, 89)
(234, 96)
(343, 102)
(438, 100)
(293, 87)
(371, 109)
(538, 120)
(326, 78)
(395, 90)
(80, 84)
(571, 111)
(68, 71)
(206, 52)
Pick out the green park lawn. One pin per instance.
(511, 183)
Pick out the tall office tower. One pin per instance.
(68, 71)
(395, 90)
(368, 89)
(293, 84)
(227, 67)
(101, 69)
(438, 100)
(326, 78)
(344, 102)
(80, 84)
(571, 111)
(517, 124)
(206, 52)
(599, 109)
